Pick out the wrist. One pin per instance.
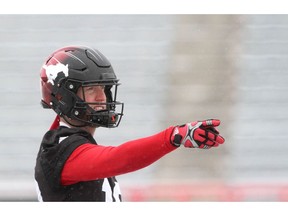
(175, 137)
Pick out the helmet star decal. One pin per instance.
(52, 71)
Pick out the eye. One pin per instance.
(90, 88)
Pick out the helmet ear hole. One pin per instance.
(72, 86)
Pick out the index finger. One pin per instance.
(211, 123)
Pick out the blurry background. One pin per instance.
(173, 69)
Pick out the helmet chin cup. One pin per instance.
(108, 118)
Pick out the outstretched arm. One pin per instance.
(90, 162)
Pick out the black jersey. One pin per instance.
(56, 147)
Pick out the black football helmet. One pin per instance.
(70, 69)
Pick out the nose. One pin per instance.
(100, 95)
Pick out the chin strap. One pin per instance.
(72, 124)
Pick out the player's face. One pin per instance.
(95, 95)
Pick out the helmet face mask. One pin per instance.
(106, 113)
(66, 74)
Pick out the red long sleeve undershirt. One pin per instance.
(90, 162)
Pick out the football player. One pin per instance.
(80, 85)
